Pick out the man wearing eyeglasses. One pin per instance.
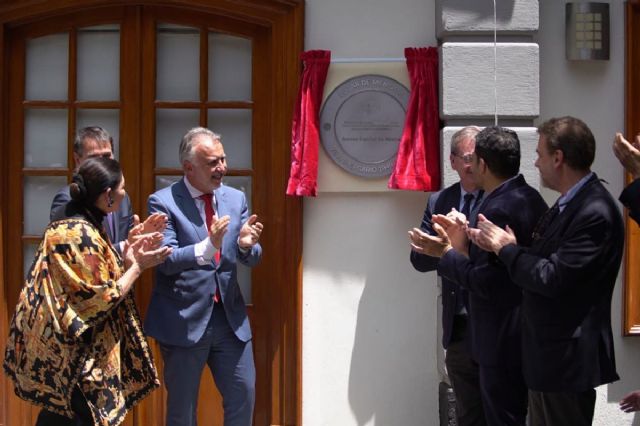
(494, 300)
(463, 196)
(567, 278)
(91, 142)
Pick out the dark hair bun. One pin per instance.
(77, 189)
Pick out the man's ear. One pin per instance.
(558, 157)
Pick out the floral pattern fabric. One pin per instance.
(73, 326)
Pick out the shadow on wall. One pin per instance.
(393, 372)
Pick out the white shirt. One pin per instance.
(204, 251)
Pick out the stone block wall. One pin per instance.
(465, 30)
(465, 33)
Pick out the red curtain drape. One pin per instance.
(305, 135)
(417, 165)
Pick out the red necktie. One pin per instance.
(209, 213)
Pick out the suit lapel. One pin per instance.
(221, 201)
(189, 209)
(221, 210)
(569, 211)
(452, 198)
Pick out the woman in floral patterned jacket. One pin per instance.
(76, 346)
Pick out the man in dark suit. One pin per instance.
(567, 277)
(494, 300)
(197, 312)
(629, 156)
(92, 142)
(464, 196)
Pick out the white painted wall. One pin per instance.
(594, 92)
(369, 320)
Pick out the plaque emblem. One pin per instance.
(362, 122)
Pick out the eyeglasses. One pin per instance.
(467, 158)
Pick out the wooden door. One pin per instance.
(148, 73)
(631, 317)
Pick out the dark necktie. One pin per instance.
(544, 221)
(209, 213)
(461, 294)
(466, 207)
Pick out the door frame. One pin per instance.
(631, 293)
(284, 20)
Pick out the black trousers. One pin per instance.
(78, 405)
(463, 374)
(504, 395)
(561, 408)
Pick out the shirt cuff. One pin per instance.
(204, 252)
(243, 250)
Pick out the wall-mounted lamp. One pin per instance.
(587, 31)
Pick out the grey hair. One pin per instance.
(96, 133)
(186, 145)
(462, 134)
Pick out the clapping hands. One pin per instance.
(628, 153)
(144, 243)
(250, 232)
(455, 225)
(490, 237)
(146, 251)
(154, 224)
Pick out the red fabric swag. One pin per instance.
(417, 165)
(305, 135)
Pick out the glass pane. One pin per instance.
(243, 183)
(164, 181)
(171, 126)
(108, 119)
(229, 68)
(47, 67)
(45, 138)
(99, 63)
(234, 126)
(38, 194)
(28, 256)
(178, 73)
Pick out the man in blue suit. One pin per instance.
(465, 197)
(197, 312)
(493, 298)
(90, 142)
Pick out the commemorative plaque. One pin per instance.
(362, 122)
